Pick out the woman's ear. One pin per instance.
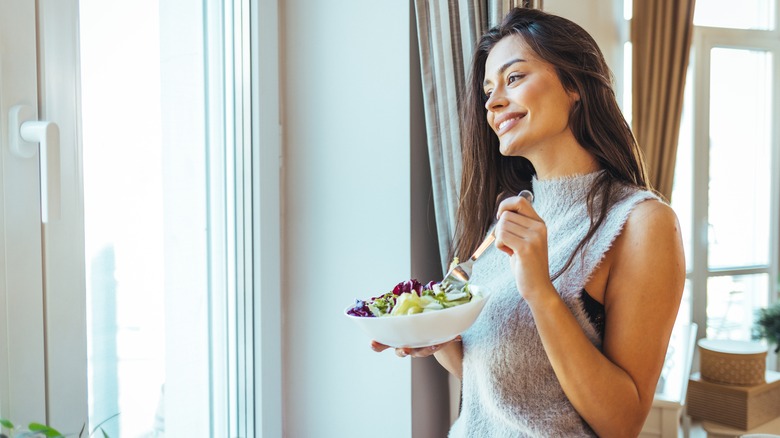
(574, 97)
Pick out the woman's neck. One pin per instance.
(562, 157)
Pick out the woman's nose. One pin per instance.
(496, 100)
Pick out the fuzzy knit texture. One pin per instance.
(509, 387)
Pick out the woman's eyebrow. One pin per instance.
(503, 68)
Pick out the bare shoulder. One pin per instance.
(652, 214)
(651, 238)
(651, 223)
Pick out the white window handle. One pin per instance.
(24, 133)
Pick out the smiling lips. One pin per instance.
(506, 122)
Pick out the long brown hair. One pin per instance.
(596, 122)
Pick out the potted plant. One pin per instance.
(767, 325)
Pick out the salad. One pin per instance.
(410, 297)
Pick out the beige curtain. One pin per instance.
(661, 34)
(447, 31)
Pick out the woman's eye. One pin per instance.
(515, 77)
(487, 95)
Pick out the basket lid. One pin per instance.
(732, 346)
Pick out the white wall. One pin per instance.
(346, 177)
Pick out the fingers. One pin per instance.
(509, 234)
(376, 346)
(413, 352)
(518, 224)
(518, 204)
(417, 352)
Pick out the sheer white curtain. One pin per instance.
(447, 32)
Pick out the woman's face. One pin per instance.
(527, 106)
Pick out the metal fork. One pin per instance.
(459, 275)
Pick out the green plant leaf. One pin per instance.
(98, 427)
(44, 429)
(767, 325)
(105, 435)
(7, 424)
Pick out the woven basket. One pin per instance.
(732, 362)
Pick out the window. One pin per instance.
(726, 190)
(726, 185)
(169, 215)
(166, 140)
(726, 179)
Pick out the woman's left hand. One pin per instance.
(522, 234)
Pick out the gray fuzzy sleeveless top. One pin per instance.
(509, 387)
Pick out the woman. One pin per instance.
(586, 281)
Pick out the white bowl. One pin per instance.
(421, 329)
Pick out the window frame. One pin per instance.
(249, 356)
(267, 164)
(249, 49)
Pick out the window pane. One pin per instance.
(685, 314)
(682, 190)
(145, 203)
(732, 302)
(628, 93)
(745, 14)
(740, 157)
(123, 213)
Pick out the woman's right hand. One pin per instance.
(522, 234)
(414, 352)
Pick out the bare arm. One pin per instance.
(450, 356)
(613, 390)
